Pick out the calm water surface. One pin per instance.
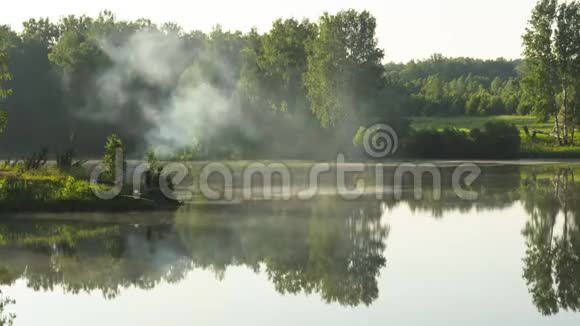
(510, 258)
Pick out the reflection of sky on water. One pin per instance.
(443, 265)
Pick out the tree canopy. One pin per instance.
(552, 52)
(229, 94)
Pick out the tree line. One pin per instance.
(441, 86)
(322, 79)
(228, 94)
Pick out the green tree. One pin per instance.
(552, 51)
(283, 61)
(567, 49)
(42, 30)
(4, 76)
(344, 67)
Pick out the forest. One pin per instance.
(301, 90)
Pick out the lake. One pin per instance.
(511, 257)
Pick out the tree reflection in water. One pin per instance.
(6, 319)
(333, 249)
(552, 261)
(328, 247)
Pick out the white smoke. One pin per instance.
(165, 63)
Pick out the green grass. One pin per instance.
(48, 190)
(543, 146)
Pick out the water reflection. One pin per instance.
(6, 319)
(552, 261)
(330, 248)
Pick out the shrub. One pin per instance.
(112, 146)
(448, 143)
(11, 165)
(36, 161)
(152, 175)
(65, 161)
(27, 189)
(151, 157)
(494, 140)
(359, 136)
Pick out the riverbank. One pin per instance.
(50, 190)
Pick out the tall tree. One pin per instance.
(283, 61)
(344, 67)
(540, 77)
(42, 30)
(567, 48)
(552, 51)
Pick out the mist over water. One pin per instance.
(339, 261)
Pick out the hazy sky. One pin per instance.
(406, 28)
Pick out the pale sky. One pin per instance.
(406, 29)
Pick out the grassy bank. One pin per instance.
(50, 190)
(543, 146)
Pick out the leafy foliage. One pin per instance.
(494, 140)
(114, 151)
(320, 80)
(64, 161)
(441, 86)
(552, 50)
(36, 161)
(344, 67)
(31, 188)
(4, 76)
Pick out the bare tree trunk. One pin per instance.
(565, 118)
(557, 128)
(573, 122)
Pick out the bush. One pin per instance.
(359, 136)
(494, 140)
(28, 189)
(151, 157)
(448, 143)
(64, 161)
(152, 175)
(112, 145)
(36, 161)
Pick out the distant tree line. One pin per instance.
(441, 86)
